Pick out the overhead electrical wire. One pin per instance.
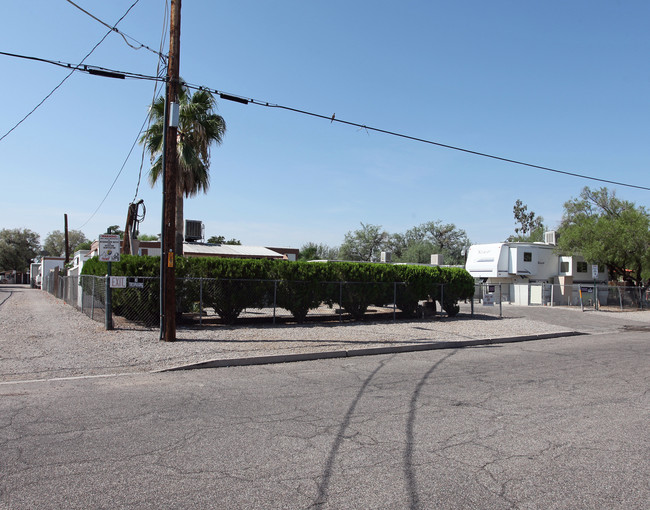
(332, 118)
(88, 68)
(162, 61)
(116, 177)
(147, 121)
(122, 34)
(69, 74)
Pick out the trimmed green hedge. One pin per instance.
(295, 286)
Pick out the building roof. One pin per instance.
(229, 250)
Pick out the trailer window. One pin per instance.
(528, 256)
(581, 267)
(564, 267)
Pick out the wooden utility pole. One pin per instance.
(171, 177)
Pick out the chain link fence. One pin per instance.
(207, 301)
(489, 298)
(606, 297)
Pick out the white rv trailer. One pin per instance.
(516, 265)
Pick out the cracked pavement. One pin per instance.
(560, 423)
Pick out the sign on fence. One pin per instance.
(109, 247)
(118, 282)
(134, 283)
(488, 299)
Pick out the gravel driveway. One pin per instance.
(41, 337)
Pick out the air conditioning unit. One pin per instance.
(550, 237)
(386, 257)
(193, 230)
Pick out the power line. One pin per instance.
(147, 121)
(69, 74)
(332, 118)
(163, 35)
(122, 34)
(117, 176)
(87, 68)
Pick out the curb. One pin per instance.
(369, 351)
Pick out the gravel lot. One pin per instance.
(41, 338)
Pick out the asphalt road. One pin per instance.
(548, 424)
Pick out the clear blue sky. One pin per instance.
(563, 84)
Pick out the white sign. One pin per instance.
(594, 271)
(118, 282)
(109, 248)
(488, 299)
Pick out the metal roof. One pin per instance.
(229, 250)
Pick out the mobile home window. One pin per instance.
(528, 256)
(564, 267)
(581, 267)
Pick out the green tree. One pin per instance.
(222, 240)
(447, 240)
(529, 226)
(418, 253)
(607, 230)
(364, 244)
(115, 229)
(396, 244)
(315, 251)
(84, 246)
(199, 127)
(433, 237)
(18, 248)
(54, 244)
(147, 237)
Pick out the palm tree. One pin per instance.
(198, 128)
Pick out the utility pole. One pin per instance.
(171, 176)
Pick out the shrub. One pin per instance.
(301, 286)
(236, 284)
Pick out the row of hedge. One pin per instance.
(295, 286)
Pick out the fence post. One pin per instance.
(394, 299)
(92, 306)
(472, 302)
(552, 297)
(582, 307)
(620, 297)
(595, 296)
(275, 295)
(108, 302)
(442, 297)
(340, 301)
(501, 301)
(200, 301)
